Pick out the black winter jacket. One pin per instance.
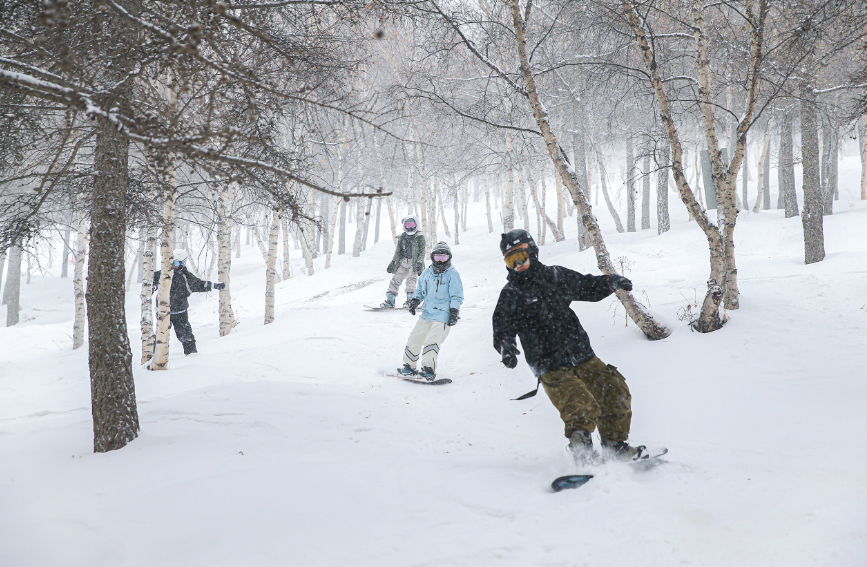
(184, 284)
(535, 306)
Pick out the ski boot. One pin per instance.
(427, 373)
(389, 301)
(408, 298)
(407, 370)
(581, 446)
(623, 451)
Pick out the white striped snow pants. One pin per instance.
(425, 340)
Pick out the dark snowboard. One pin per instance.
(570, 481)
(650, 459)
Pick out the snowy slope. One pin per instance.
(286, 445)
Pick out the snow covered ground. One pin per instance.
(287, 445)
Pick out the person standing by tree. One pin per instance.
(184, 284)
(407, 263)
(442, 291)
(534, 305)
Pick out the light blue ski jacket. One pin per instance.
(440, 292)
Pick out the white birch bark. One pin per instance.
(160, 360)
(391, 220)
(271, 267)
(457, 205)
(862, 143)
(12, 291)
(225, 230)
(558, 236)
(603, 182)
(148, 338)
(287, 268)
(368, 207)
(766, 144)
(522, 194)
(359, 229)
(487, 189)
(331, 232)
(440, 208)
(425, 196)
(78, 326)
(630, 185)
(305, 249)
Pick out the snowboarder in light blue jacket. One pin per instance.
(442, 292)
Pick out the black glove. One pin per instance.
(389, 269)
(218, 285)
(616, 282)
(419, 268)
(509, 351)
(413, 303)
(453, 317)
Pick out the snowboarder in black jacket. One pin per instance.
(184, 284)
(535, 306)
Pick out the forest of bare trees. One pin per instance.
(129, 129)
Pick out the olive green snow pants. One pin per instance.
(591, 395)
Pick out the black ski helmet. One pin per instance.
(441, 248)
(517, 237)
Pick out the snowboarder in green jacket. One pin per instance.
(407, 263)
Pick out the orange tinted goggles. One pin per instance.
(517, 256)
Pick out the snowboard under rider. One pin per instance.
(184, 284)
(407, 263)
(535, 306)
(442, 292)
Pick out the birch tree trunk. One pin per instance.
(764, 159)
(558, 236)
(663, 222)
(487, 189)
(12, 291)
(64, 267)
(160, 359)
(811, 218)
(341, 243)
(508, 210)
(331, 232)
(78, 285)
(603, 176)
(464, 204)
(457, 205)
(359, 229)
(440, 208)
(579, 160)
(522, 194)
(225, 228)
(645, 193)
(148, 338)
(367, 209)
(830, 152)
(305, 249)
(786, 168)
(271, 267)
(378, 216)
(391, 219)
(425, 196)
(651, 329)
(2, 264)
(630, 185)
(862, 146)
(287, 269)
